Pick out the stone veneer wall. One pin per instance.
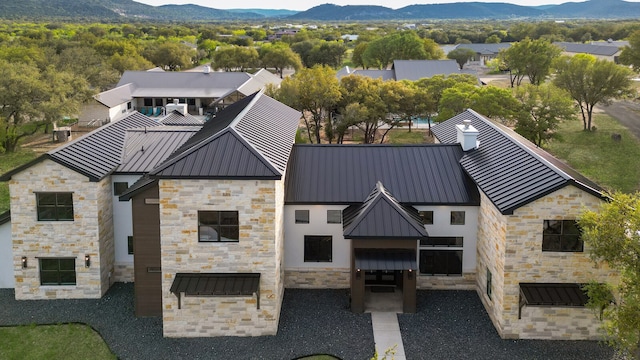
(317, 278)
(123, 272)
(465, 282)
(524, 261)
(91, 232)
(258, 251)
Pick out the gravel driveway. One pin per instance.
(448, 325)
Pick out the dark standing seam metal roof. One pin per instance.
(177, 118)
(380, 216)
(5, 217)
(97, 153)
(385, 259)
(509, 169)
(593, 49)
(143, 183)
(146, 148)
(345, 174)
(553, 294)
(418, 69)
(485, 49)
(250, 139)
(215, 284)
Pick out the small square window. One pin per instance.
(302, 216)
(58, 271)
(317, 248)
(218, 226)
(334, 216)
(119, 188)
(457, 218)
(427, 217)
(130, 245)
(561, 236)
(54, 206)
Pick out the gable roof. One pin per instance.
(509, 169)
(251, 138)
(145, 148)
(382, 216)
(177, 118)
(374, 74)
(418, 69)
(485, 49)
(345, 174)
(603, 49)
(95, 154)
(116, 96)
(186, 84)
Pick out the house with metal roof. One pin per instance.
(484, 52)
(601, 50)
(213, 222)
(406, 70)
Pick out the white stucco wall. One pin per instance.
(118, 112)
(442, 227)
(7, 279)
(122, 226)
(294, 237)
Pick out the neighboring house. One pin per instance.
(149, 92)
(484, 52)
(221, 219)
(406, 70)
(601, 50)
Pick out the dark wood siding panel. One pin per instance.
(146, 243)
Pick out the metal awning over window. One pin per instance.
(551, 294)
(385, 259)
(216, 284)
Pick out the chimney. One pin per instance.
(467, 136)
(206, 70)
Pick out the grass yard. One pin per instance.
(9, 161)
(403, 136)
(613, 165)
(65, 341)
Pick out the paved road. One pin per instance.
(627, 112)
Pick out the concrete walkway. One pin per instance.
(386, 334)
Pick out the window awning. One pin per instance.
(216, 284)
(385, 259)
(551, 294)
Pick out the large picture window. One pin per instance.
(561, 235)
(54, 206)
(317, 248)
(58, 271)
(448, 241)
(441, 262)
(218, 226)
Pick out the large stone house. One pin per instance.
(214, 222)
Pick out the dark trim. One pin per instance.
(7, 176)
(5, 217)
(216, 284)
(219, 177)
(551, 294)
(136, 188)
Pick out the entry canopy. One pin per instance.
(385, 259)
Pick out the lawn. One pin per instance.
(613, 165)
(65, 341)
(9, 161)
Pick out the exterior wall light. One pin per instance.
(87, 260)
(24, 262)
(410, 274)
(358, 273)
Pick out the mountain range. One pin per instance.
(130, 10)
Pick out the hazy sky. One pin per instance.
(307, 4)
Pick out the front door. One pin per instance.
(382, 278)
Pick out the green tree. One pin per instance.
(488, 100)
(303, 48)
(356, 55)
(171, 55)
(238, 58)
(461, 56)
(279, 57)
(631, 53)
(327, 53)
(493, 39)
(405, 45)
(591, 81)
(613, 236)
(542, 109)
(531, 58)
(30, 100)
(315, 92)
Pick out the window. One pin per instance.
(58, 271)
(129, 105)
(334, 216)
(442, 241)
(119, 188)
(427, 217)
(222, 226)
(147, 102)
(457, 218)
(441, 262)
(302, 216)
(130, 245)
(317, 248)
(561, 235)
(55, 206)
(489, 280)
